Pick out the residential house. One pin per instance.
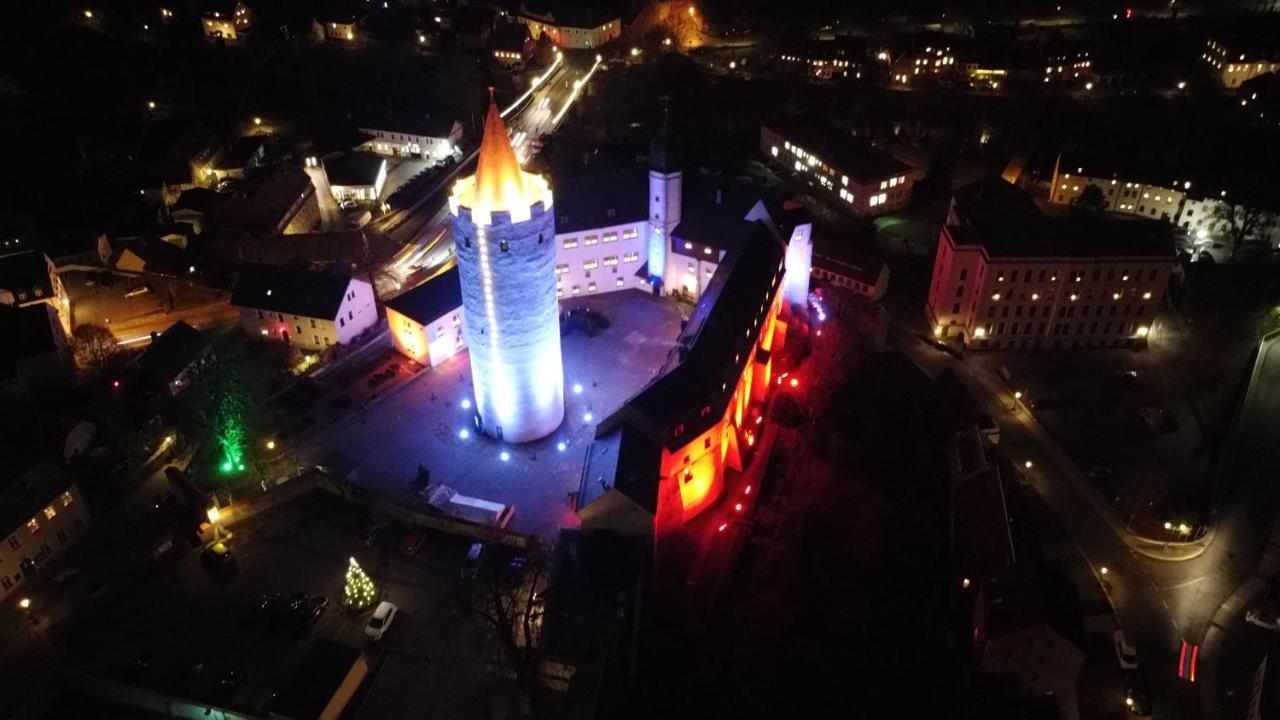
(511, 44)
(34, 355)
(572, 26)
(357, 176)
(41, 513)
(838, 263)
(279, 201)
(866, 180)
(431, 136)
(171, 362)
(426, 321)
(28, 277)
(226, 19)
(312, 310)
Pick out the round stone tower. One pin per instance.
(504, 234)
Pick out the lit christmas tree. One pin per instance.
(360, 590)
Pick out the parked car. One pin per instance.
(412, 543)
(380, 621)
(1263, 618)
(218, 558)
(307, 613)
(471, 566)
(1125, 653)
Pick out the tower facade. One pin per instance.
(665, 180)
(504, 235)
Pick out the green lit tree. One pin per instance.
(227, 411)
(360, 592)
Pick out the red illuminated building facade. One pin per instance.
(663, 457)
(1007, 276)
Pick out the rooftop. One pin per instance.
(22, 496)
(499, 185)
(431, 299)
(624, 459)
(354, 169)
(564, 14)
(1006, 222)
(586, 202)
(596, 581)
(26, 275)
(168, 355)
(29, 331)
(849, 155)
(714, 210)
(315, 681)
(262, 206)
(288, 290)
(844, 257)
(432, 125)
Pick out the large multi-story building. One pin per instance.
(1239, 58)
(1006, 276)
(429, 136)
(504, 238)
(572, 27)
(41, 512)
(1203, 211)
(865, 179)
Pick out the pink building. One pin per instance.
(1006, 276)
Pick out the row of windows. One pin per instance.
(1124, 275)
(43, 552)
(589, 240)
(1061, 328)
(593, 263)
(591, 287)
(1066, 311)
(49, 512)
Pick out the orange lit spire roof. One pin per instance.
(500, 185)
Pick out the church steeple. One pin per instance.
(499, 183)
(665, 152)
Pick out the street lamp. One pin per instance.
(1103, 570)
(271, 444)
(1027, 464)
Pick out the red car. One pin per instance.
(412, 543)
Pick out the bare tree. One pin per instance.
(507, 604)
(94, 346)
(1240, 223)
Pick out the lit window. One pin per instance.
(631, 257)
(706, 251)
(590, 240)
(688, 246)
(618, 282)
(610, 237)
(591, 287)
(591, 264)
(67, 499)
(33, 527)
(570, 243)
(629, 233)
(577, 290)
(49, 512)
(610, 260)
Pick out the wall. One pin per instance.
(862, 199)
(574, 258)
(357, 313)
(306, 214)
(307, 333)
(70, 518)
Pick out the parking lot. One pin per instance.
(184, 629)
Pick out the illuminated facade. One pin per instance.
(44, 513)
(1007, 277)
(504, 236)
(426, 321)
(1204, 213)
(663, 458)
(866, 180)
(312, 310)
(571, 28)
(226, 20)
(1233, 64)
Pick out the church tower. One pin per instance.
(666, 163)
(504, 235)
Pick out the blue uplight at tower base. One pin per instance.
(466, 403)
(562, 446)
(504, 456)
(464, 433)
(577, 388)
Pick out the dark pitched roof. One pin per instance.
(168, 355)
(264, 203)
(592, 201)
(431, 299)
(22, 496)
(198, 199)
(314, 683)
(25, 273)
(625, 459)
(433, 125)
(341, 248)
(841, 256)
(353, 169)
(1005, 221)
(666, 152)
(288, 290)
(849, 155)
(564, 14)
(28, 332)
(510, 36)
(713, 348)
(595, 585)
(714, 210)
(241, 152)
(157, 256)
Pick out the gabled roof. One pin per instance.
(426, 124)
(27, 332)
(841, 256)
(622, 459)
(290, 291)
(173, 351)
(714, 211)
(849, 155)
(1005, 221)
(354, 169)
(431, 299)
(24, 495)
(23, 273)
(264, 203)
(586, 202)
(510, 36)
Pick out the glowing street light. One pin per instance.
(1027, 465)
(25, 603)
(1168, 526)
(257, 121)
(88, 14)
(1103, 570)
(271, 444)
(1182, 85)
(151, 104)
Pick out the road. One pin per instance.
(423, 228)
(1161, 595)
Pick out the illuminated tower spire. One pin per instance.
(504, 237)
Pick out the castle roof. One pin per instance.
(499, 181)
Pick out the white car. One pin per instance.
(1125, 653)
(1262, 618)
(381, 620)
